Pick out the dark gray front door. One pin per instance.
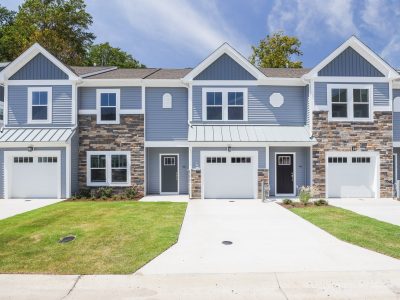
(284, 174)
(169, 173)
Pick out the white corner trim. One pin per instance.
(117, 93)
(68, 170)
(49, 105)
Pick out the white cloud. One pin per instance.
(192, 26)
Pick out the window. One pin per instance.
(111, 168)
(337, 160)
(169, 161)
(23, 160)
(52, 159)
(108, 106)
(284, 160)
(39, 104)
(350, 102)
(240, 160)
(1, 111)
(167, 100)
(224, 104)
(216, 160)
(361, 160)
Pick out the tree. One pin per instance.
(6, 19)
(106, 55)
(276, 51)
(61, 26)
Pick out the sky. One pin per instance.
(181, 33)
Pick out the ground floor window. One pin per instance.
(108, 168)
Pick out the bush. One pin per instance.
(321, 202)
(84, 193)
(305, 194)
(103, 193)
(287, 201)
(131, 192)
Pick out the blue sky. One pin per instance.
(180, 33)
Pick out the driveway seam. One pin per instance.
(279, 286)
(73, 287)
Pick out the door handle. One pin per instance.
(292, 176)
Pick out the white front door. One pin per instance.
(34, 174)
(352, 175)
(229, 175)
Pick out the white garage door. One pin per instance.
(231, 175)
(34, 175)
(352, 175)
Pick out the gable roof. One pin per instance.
(285, 72)
(363, 50)
(230, 51)
(29, 54)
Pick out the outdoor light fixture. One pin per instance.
(229, 149)
(30, 148)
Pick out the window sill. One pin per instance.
(108, 122)
(91, 184)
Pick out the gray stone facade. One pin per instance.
(126, 136)
(195, 177)
(263, 176)
(343, 136)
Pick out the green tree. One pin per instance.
(61, 26)
(6, 19)
(276, 51)
(106, 55)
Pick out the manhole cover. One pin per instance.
(227, 242)
(66, 239)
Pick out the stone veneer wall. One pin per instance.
(126, 136)
(263, 174)
(342, 136)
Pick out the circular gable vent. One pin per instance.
(276, 99)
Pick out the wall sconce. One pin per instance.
(229, 148)
(30, 148)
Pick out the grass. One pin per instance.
(356, 229)
(111, 237)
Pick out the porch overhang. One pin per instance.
(38, 136)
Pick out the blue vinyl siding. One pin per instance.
(396, 121)
(153, 169)
(131, 97)
(381, 92)
(350, 63)
(302, 166)
(63, 167)
(196, 164)
(39, 68)
(18, 106)
(260, 111)
(225, 68)
(166, 124)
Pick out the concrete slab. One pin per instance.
(12, 207)
(266, 238)
(165, 198)
(387, 210)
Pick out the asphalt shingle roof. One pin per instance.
(285, 72)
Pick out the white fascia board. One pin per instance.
(41, 82)
(361, 49)
(252, 144)
(29, 54)
(282, 81)
(234, 54)
(166, 144)
(351, 79)
(164, 83)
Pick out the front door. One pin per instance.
(169, 173)
(284, 174)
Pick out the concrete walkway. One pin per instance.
(266, 238)
(12, 207)
(387, 210)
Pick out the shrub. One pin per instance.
(84, 193)
(103, 193)
(320, 202)
(131, 192)
(305, 194)
(287, 201)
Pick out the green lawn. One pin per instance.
(354, 228)
(112, 237)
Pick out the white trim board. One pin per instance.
(294, 174)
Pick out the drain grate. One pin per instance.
(67, 239)
(227, 243)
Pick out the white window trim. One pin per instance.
(350, 110)
(117, 93)
(108, 168)
(49, 104)
(225, 92)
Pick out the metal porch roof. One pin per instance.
(35, 134)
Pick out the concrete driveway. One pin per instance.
(12, 207)
(387, 210)
(265, 237)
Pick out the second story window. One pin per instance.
(108, 102)
(224, 104)
(39, 104)
(350, 102)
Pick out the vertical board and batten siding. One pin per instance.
(63, 167)
(75, 163)
(166, 124)
(350, 63)
(39, 68)
(292, 112)
(61, 106)
(302, 166)
(131, 97)
(380, 92)
(153, 169)
(396, 120)
(196, 163)
(225, 68)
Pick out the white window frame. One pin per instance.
(49, 104)
(108, 155)
(117, 93)
(225, 106)
(350, 102)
